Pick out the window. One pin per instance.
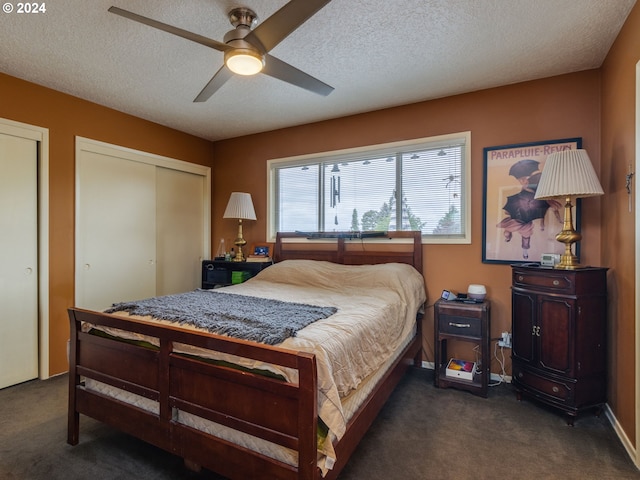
(418, 185)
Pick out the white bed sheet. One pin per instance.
(376, 315)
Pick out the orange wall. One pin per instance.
(66, 117)
(553, 108)
(618, 223)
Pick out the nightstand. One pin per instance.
(219, 273)
(469, 322)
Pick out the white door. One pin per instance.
(18, 260)
(115, 230)
(180, 230)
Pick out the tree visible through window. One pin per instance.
(413, 186)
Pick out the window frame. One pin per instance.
(392, 148)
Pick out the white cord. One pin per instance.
(501, 362)
(477, 350)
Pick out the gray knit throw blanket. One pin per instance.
(240, 316)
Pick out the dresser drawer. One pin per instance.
(543, 279)
(555, 389)
(459, 325)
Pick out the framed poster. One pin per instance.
(518, 228)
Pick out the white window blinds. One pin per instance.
(420, 185)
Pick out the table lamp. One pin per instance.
(567, 174)
(240, 206)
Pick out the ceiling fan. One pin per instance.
(246, 51)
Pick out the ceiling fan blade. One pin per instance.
(276, 68)
(194, 37)
(214, 84)
(279, 25)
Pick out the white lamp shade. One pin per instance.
(240, 206)
(568, 173)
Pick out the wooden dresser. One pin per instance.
(559, 337)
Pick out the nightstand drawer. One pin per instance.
(542, 279)
(459, 325)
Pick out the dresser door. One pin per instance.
(555, 334)
(523, 327)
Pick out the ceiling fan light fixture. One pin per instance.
(244, 61)
(249, 57)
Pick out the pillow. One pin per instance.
(399, 277)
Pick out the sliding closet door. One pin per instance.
(18, 260)
(180, 230)
(115, 230)
(142, 224)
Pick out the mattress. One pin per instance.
(376, 316)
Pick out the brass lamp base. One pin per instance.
(239, 242)
(568, 236)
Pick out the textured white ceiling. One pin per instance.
(376, 53)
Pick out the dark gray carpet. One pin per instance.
(422, 433)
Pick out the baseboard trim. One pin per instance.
(626, 443)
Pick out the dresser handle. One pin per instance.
(520, 278)
(556, 283)
(555, 389)
(460, 325)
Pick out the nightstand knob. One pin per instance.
(555, 389)
(556, 283)
(520, 375)
(520, 278)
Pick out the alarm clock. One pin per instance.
(549, 259)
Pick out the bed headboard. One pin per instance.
(400, 247)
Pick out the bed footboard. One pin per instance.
(268, 408)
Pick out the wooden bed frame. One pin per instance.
(225, 395)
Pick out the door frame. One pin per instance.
(637, 269)
(40, 135)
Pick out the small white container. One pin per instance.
(476, 292)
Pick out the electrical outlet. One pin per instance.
(505, 341)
